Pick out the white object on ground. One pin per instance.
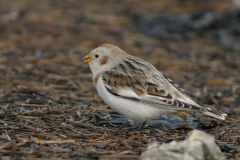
(197, 146)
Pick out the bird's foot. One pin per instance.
(117, 130)
(143, 125)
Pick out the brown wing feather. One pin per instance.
(181, 90)
(135, 75)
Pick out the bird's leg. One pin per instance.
(117, 130)
(143, 124)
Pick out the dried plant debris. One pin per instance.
(49, 108)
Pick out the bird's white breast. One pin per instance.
(131, 109)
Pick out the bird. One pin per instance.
(136, 89)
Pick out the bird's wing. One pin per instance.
(137, 80)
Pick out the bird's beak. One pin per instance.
(86, 59)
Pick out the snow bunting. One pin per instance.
(136, 89)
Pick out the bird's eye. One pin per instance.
(96, 55)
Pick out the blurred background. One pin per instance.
(196, 43)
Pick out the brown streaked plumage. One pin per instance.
(136, 89)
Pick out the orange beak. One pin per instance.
(86, 59)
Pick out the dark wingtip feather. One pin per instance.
(215, 113)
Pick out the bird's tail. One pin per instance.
(215, 113)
